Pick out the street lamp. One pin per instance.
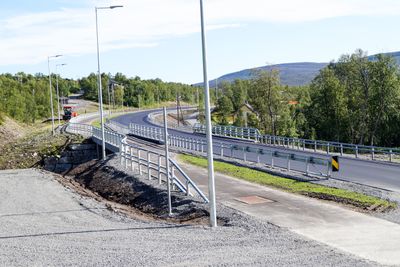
(58, 95)
(103, 142)
(210, 157)
(51, 92)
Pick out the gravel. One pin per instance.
(44, 223)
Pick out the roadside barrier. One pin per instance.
(145, 161)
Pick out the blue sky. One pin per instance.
(161, 39)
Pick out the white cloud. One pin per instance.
(29, 38)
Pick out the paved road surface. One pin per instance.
(386, 176)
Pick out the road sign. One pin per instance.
(335, 163)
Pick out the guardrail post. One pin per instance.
(258, 157)
(244, 155)
(173, 177)
(148, 165)
(222, 149)
(356, 151)
(307, 166)
(327, 148)
(390, 155)
(315, 146)
(304, 145)
(288, 163)
(328, 173)
(131, 157)
(159, 169)
(272, 160)
(139, 164)
(341, 149)
(121, 153)
(373, 153)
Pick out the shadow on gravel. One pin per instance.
(110, 181)
(50, 212)
(93, 231)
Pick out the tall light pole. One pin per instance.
(210, 157)
(58, 94)
(51, 93)
(103, 142)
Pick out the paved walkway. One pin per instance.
(359, 234)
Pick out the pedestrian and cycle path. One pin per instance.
(329, 223)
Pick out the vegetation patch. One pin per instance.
(30, 150)
(303, 188)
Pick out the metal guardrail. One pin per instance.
(144, 160)
(229, 131)
(317, 146)
(265, 156)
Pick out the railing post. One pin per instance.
(159, 169)
(139, 164)
(131, 157)
(148, 165)
(307, 166)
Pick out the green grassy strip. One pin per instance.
(293, 186)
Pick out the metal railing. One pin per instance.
(150, 163)
(138, 158)
(229, 131)
(266, 156)
(317, 146)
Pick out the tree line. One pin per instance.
(355, 100)
(25, 97)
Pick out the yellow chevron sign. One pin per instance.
(335, 163)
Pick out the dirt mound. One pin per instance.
(146, 197)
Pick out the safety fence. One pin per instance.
(317, 146)
(145, 161)
(291, 162)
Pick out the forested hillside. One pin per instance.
(25, 97)
(354, 100)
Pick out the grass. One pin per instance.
(303, 188)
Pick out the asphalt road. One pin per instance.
(372, 173)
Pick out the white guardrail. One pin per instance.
(137, 158)
(269, 157)
(330, 148)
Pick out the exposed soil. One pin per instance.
(33, 148)
(135, 196)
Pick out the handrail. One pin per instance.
(119, 141)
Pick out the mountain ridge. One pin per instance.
(292, 74)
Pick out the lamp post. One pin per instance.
(58, 94)
(210, 157)
(51, 93)
(103, 142)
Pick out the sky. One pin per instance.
(161, 38)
